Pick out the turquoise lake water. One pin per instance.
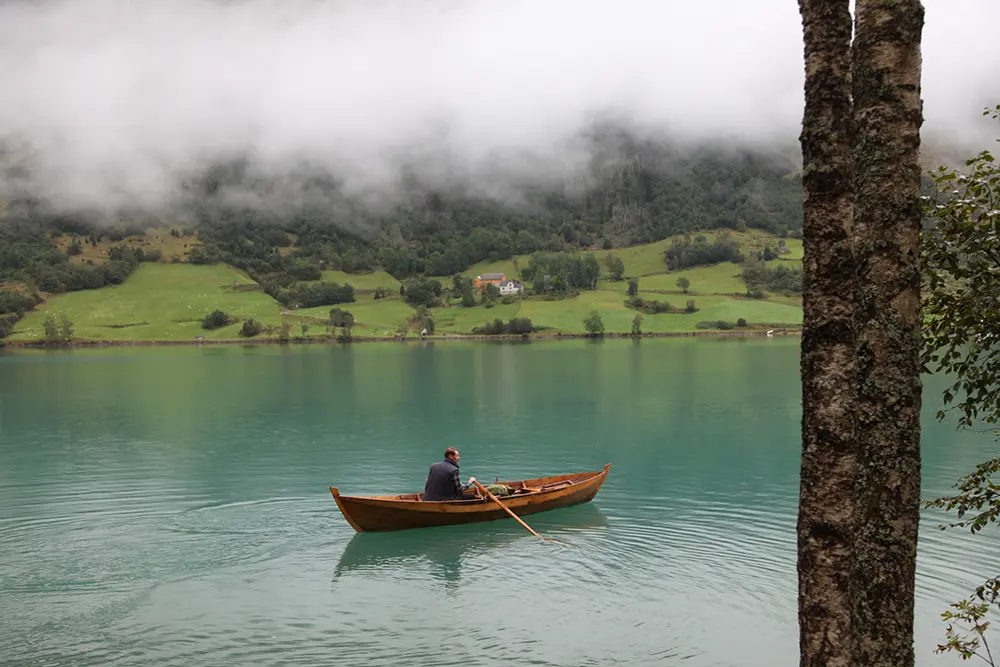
(170, 506)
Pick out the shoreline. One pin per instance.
(92, 343)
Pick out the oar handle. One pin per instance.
(506, 509)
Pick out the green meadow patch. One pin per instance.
(647, 259)
(157, 302)
(639, 260)
(567, 315)
(459, 320)
(372, 317)
(364, 282)
(509, 267)
(721, 278)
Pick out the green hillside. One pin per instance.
(157, 302)
(167, 301)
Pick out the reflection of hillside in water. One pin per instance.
(446, 548)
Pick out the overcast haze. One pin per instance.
(120, 97)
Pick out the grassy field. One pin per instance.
(506, 267)
(371, 317)
(645, 260)
(645, 263)
(795, 246)
(363, 282)
(717, 279)
(567, 315)
(459, 320)
(383, 317)
(640, 260)
(157, 302)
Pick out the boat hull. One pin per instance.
(406, 511)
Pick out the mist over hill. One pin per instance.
(426, 136)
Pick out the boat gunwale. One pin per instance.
(581, 478)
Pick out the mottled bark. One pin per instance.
(886, 68)
(828, 468)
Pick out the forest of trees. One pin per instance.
(685, 252)
(28, 255)
(758, 276)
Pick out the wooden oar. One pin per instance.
(508, 510)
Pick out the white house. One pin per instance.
(510, 287)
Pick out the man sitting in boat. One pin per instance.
(443, 481)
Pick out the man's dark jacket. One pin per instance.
(443, 482)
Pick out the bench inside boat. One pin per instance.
(516, 489)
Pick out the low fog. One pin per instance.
(113, 103)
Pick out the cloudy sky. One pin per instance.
(119, 96)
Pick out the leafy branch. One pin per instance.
(979, 497)
(964, 644)
(960, 262)
(979, 494)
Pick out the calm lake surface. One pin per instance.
(170, 506)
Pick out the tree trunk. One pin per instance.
(828, 469)
(888, 116)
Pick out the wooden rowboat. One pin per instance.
(408, 510)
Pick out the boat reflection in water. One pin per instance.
(447, 548)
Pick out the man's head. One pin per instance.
(452, 454)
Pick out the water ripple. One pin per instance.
(128, 538)
(117, 601)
